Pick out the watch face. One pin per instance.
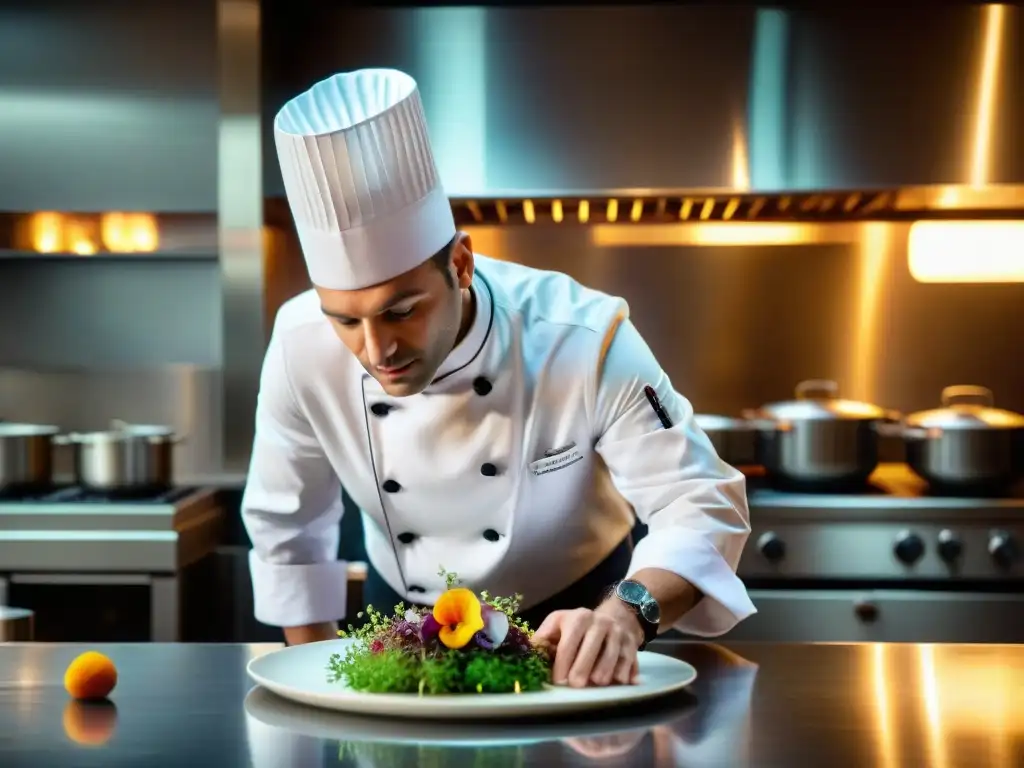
(631, 592)
(651, 611)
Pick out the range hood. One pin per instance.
(997, 201)
(674, 102)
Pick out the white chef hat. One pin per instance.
(360, 178)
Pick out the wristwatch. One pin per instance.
(635, 595)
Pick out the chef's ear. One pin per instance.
(462, 260)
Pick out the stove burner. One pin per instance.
(78, 495)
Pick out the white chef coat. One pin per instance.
(519, 468)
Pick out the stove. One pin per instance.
(893, 561)
(72, 537)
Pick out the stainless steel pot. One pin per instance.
(968, 445)
(735, 440)
(26, 456)
(819, 441)
(128, 458)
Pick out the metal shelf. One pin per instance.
(125, 257)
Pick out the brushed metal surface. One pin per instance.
(109, 538)
(809, 615)
(108, 106)
(116, 313)
(239, 24)
(751, 705)
(186, 398)
(737, 98)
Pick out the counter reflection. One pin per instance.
(688, 729)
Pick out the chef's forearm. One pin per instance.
(311, 633)
(675, 595)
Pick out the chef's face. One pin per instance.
(403, 330)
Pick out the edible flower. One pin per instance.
(495, 628)
(459, 614)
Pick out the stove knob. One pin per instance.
(1003, 549)
(909, 548)
(865, 610)
(950, 546)
(772, 547)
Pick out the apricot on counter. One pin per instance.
(90, 677)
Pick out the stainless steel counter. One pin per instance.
(752, 705)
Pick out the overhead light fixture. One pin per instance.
(966, 251)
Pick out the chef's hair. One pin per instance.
(443, 259)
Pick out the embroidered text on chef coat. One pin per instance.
(560, 460)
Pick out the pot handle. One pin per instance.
(64, 439)
(961, 392)
(757, 420)
(805, 389)
(900, 430)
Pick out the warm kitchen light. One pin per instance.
(718, 234)
(528, 211)
(966, 251)
(129, 232)
(78, 239)
(47, 232)
(584, 211)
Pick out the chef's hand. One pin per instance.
(592, 647)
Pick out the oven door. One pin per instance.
(84, 608)
(884, 615)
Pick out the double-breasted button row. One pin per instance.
(408, 537)
(487, 470)
(481, 385)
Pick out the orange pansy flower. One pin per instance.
(459, 613)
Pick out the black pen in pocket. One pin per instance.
(652, 398)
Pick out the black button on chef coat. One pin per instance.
(488, 470)
(481, 386)
(416, 588)
(407, 538)
(491, 535)
(391, 486)
(380, 409)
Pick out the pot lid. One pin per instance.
(13, 429)
(819, 399)
(714, 421)
(967, 407)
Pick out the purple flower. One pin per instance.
(482, 641)
(429, 628)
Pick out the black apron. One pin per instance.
(588, 592)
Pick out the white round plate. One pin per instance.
(299, 673)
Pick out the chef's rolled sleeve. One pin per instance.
(694, 504)
(291, 509)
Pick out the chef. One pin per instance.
(503, 423)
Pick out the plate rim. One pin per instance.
(458, 705)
